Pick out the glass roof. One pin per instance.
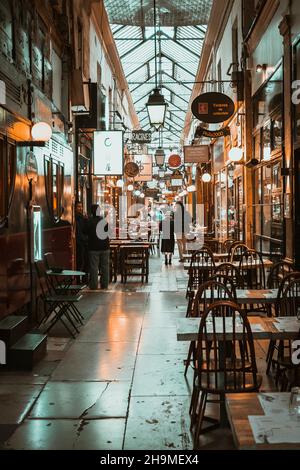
(180, 33)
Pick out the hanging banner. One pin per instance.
(144, 162)
(213, 107)
(196, 153)
(141, 137)
(212, 134)
(108, 153)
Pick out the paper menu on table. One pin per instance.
(274, 403)
(275, 430)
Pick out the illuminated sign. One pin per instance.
(108, 153)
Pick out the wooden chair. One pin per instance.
(277, 273)
(201, 267)
(231, 271)
(218, 362)
(289, 305)
(236, 250)
(252, 270)
(113, 272)
(226, 245)
(134, 262)
(208, 293)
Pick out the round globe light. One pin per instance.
(191, 189)
(142, 195)
(130, 187)
(137, 193)
(120, 183)
(206, 178)
(235, 154)
(41, 131)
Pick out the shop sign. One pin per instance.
(131, 169)
(31, 167)
(176, 178)
(212, 134)
(213, 107)
(196, 153)
(174, 161)
(108, 153)
(144, 163)
(141, 137)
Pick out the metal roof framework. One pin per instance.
(180, 34)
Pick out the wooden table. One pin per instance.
(267, 264)
(239, 406)
(217, 256)
(66, 273)
(250, 296)
(187, 329)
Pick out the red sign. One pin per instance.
(174, 161)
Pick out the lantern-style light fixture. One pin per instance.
(41, 132)
(160, 156)
(206, 177)
(156, 108)
(235, 154)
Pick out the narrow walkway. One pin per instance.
(119, 385)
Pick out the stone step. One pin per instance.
(12, 328)
(28, 351)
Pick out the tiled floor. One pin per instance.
(119, 385)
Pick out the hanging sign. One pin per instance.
(196, 153)
(212, 134)
(141, 137)
(144, 163)
(176, 178)
(174, 161)
(131, 169)
(108, 153)
(213, 107)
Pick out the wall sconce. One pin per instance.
(261, 68)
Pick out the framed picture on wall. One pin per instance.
(288, 206)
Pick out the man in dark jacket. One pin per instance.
(98, 247)
(81, 238)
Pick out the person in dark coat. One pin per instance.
(166, 227)
(98, 246)
(81, 238)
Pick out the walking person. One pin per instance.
(182, 221)
(166, 227)
(98, 248)
(81, 238)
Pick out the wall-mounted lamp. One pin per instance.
(206, 177)
(235, 154)
(260, 68)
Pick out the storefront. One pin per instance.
(268, 226)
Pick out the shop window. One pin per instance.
(297, 77)
(6, 29)
(7, 177)
(41, 66)
(54, 181)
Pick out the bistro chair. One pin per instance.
(289, 305)
(226, 245)
(231, 271)
(221, 365)
(201, 267)
(57, 307)
(134, 261)
(252, 270)
(213, 245)
(208, 293)
(236, 250)
(113, 260)
(277, 272)
(279, 308)
(61, 286)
